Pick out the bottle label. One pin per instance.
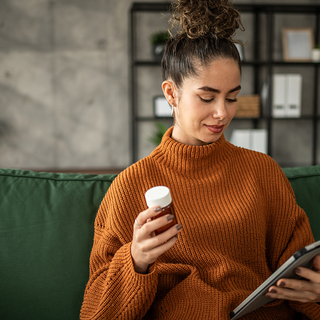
(164, 211)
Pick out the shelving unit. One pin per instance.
(260, 61)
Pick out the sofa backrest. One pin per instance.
(46, 235)
(305, 182)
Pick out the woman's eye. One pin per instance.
(206, 100)
(209, 100)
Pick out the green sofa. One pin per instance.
(46, 235)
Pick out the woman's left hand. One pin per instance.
(303, 290)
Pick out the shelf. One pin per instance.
(261, 64)
(147, 63)
(261, 8)
(278, 63)
(310, 117)
(278, 8)
(150, 6)
(287, 118)
(153, 118)
(298, 63)
(152, 63)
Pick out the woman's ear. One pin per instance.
(169, 91)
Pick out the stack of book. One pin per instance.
(248, 106)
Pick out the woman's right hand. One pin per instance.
(146, 246)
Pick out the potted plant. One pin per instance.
(156, 138)
(316, 53)
(158, 41)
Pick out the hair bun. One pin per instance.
(197, 18)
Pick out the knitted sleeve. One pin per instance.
(288, 225)
(289, 228)
(115, 290)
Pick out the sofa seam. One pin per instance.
(304, 176)
(57, 179)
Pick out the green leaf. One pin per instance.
(161, 129)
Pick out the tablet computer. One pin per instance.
(257, 299)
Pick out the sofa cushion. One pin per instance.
(305, 182)
(46, 235)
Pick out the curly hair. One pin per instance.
(197, 18)
(205, 33)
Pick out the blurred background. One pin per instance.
(78, 82)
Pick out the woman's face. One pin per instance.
(206, 103)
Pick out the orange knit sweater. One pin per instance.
(240, 223)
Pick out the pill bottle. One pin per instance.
(161, 196)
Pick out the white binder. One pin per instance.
(293, 95)
(279, 96)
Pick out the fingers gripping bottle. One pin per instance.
(161, 196)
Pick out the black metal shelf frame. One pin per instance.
(269, 10)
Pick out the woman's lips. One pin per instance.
(215, 129)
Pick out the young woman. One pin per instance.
(238, 220)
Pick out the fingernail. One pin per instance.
(282, 284)
(157, 209)
(170, 217)
(179, 226)
(273, 291)
(297, 270)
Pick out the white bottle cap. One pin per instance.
(158, 196)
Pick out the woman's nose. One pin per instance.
(219, 110)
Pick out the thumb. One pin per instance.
(316, 263)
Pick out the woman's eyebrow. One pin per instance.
(209, 89)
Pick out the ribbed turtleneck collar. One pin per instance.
(184, 158)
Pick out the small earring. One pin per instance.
(172, 110)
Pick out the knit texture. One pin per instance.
(240, 223)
